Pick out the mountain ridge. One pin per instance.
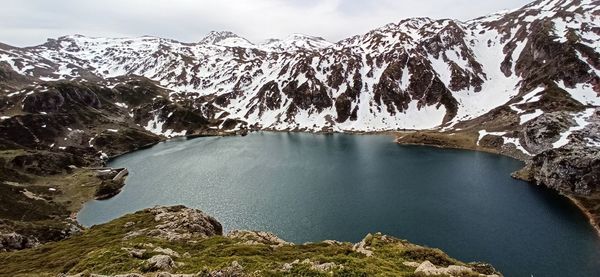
(456, 64)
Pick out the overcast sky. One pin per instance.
(30, 22)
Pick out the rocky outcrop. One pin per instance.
(61, 97)
(572, 169)
(200, 250)
(363, 246)
(109, 188)
(179, 223)
(19, 236)
(540, 133)
(256, 237)
(315, 266)
(159, 263)
(426, 268)
(14, 241)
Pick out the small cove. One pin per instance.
(307, 187)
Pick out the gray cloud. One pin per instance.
(30, 22)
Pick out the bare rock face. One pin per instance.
(179, 223)
(539, 133)
(573, 169)
(62, 96)
(363, 246)
(14, 241)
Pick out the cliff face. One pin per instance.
(574, 170)
(177, 241)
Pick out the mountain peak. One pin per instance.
(225, 38)
(299, 36)
(295, 42)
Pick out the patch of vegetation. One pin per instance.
(435, 256)
(40, 207)
(15, 205)
(106, 249)
(555, 98)
(460, 140)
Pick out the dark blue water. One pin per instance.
(306, 187)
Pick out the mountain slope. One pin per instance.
(416, 74)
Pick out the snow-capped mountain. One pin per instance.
(226, 38)
(415, 74)
(295, 42)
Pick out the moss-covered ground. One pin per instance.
(102, 249)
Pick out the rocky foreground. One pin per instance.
(178, 241)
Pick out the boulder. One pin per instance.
(254, 237)
(427, 268)
(137, 253)
(14, 241)
(159, 263)
(179, 223)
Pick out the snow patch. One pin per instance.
(529, 116)
(581, 119)
(517, 144)
(484, 133)
(583, 93)
(121, 105)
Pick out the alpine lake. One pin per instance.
(310, 187)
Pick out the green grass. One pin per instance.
(100, 249)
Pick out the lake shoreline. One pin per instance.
(588, 214)
(472, 147)
(266, 143)
(397, 138)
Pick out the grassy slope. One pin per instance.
(100, 250)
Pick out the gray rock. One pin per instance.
(540, 133)
(14, 241)
(159, 262)
(255, 237)
(167, 251)
(137, 253)
(181, 223)
(572, 169)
